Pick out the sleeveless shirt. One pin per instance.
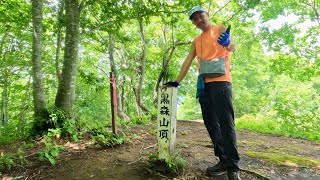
(208, 48)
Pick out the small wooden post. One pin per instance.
(113, 95)
(167, 122)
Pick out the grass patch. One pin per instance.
(285, 159)
(273, 126)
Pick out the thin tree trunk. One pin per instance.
(4, 97)
(142, 68)
(167, 56)
(315, 8)
(135, 92)
(120, 111)
(122, 92)
(59, 34)
(65, 97)
(4, 94)
(40, 109)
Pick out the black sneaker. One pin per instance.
(217, 169)
(233, 175)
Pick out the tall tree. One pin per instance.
(59, 37)
(4, 95)
(40, 109)
(142, 65)
(65, 97)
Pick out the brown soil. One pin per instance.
(129, 161)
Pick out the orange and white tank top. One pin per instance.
(208, 48)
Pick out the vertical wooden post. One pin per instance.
(167, 122)
(113, 95)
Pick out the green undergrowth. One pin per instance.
(276, 127)
(16, 157)
(104, 138)
(168, 168)
(285, 159)
(13, 132)
(48, 145)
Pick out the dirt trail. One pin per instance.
(129, 160)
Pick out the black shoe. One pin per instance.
(217, 169)
(233, 175)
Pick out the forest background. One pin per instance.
(56, 57)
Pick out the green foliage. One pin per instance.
(141, 120)
(6, 161)
(70, 129)
(63, 126)
(269, 64)
(14, 131)
(50, 151)
(299, 112)
(174, 165)
(268, 122)
(93, 101)
(189, 109)
(105, 138)
(21, 155)
(57, 117)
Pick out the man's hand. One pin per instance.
(224, 39)
(172, 83)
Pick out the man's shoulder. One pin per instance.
(197, 37)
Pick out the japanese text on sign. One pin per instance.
(165, 112)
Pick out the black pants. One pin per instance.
(218, 116)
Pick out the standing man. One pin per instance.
(212, 49)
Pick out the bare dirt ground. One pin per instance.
(129, 161)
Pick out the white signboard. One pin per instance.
(167, 121)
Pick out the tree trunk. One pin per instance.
(59, 34)
(165, 65)
(4, 105)
(142, 68)
(315, 8)
(39, 101)
(4, 94)
(122, 92)
(120, 112)
(135, 92)
(65, 97)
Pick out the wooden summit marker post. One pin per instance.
(167, 122)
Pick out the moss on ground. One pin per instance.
(285, 159)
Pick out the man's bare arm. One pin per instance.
(187, 63)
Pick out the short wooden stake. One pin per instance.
(167, 121)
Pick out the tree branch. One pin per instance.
(221, 8)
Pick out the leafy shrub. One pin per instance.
(51, 150)
(292, 109)
(189, 109)
(62, 125)
(6, 161)
(174, 165)
(69, 128)
(104, 138)
(13, 131)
